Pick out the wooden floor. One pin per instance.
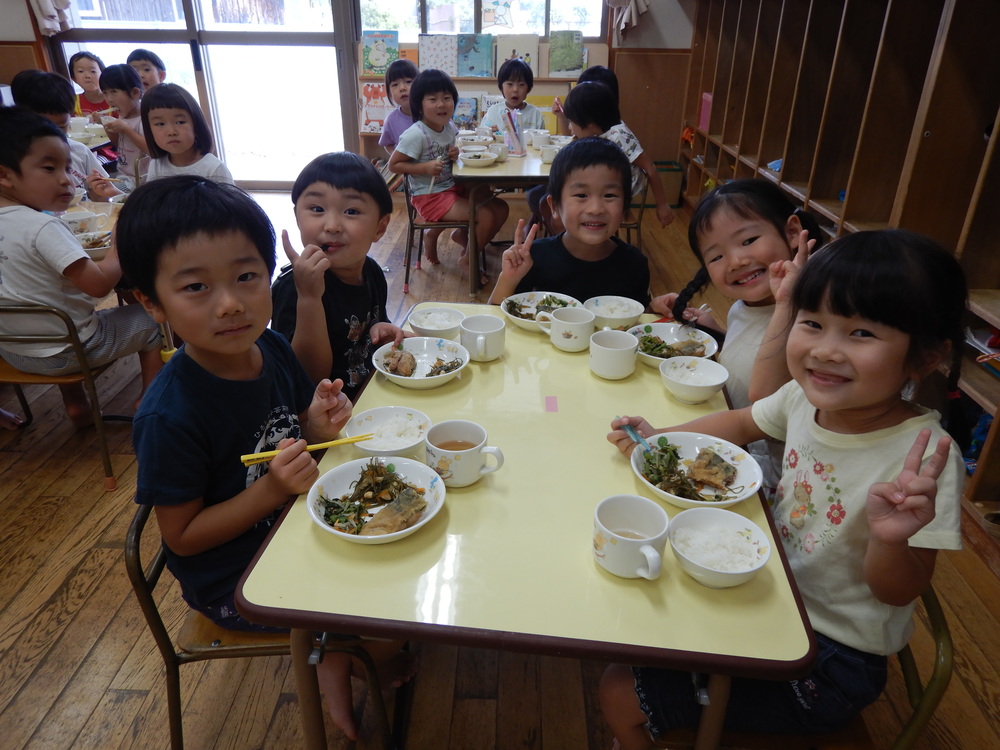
(78, 669)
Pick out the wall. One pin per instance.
(15, 22)
(666, 25)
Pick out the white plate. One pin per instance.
(671, 333)
(748, 475)
(530, 300)
(373, 419)
(337, 483)
(426, 350)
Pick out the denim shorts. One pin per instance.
(842, 682)
(224, 614)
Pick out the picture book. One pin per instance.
(475, 55)
(439, 51)
(378, 50)
(487, 100)
(521, 46)
(409, 53)
(544, 103)
(466, 115)
(566, 58)
(375, 107)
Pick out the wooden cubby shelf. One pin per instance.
(884, 113)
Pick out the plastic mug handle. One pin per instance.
(547, 319)
(498, 455)
(481, 345)
(652, 569)
(101, 220)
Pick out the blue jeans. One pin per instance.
(842, 682)
(224, 614)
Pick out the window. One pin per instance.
(484, 16)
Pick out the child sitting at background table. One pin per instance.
(331, 302)
(123, 90)
(85, 71)
(424, 155)
(515, 81)
(51, 96)
(178, 136)
(149, 66)
(590, 181)
(870, 490)
(42, 263)
(201, 255)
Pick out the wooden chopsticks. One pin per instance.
(259, 458)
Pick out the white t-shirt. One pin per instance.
(625, 139)
(35, 249)
(820, 515)
(423, 144)
(209, 166)
(745, 329)
(82, 162)
(529, 116)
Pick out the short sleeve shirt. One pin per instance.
(422, 144)
(394, 126)
(625, 139)
(528, 116)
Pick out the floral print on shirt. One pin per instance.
(816, 512)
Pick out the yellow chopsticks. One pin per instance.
(258, 458)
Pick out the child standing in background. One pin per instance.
(52, 97)
(331, 303)
(745, 235)
(870, 489)
(590, 182)
(149, 66)
(425, 153)
(178, 136)
(515, 81)
(85, 70)
(398, 79)
(123, 90)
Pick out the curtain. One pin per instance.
(625, 15)
(52, 15)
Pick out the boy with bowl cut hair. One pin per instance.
(41, 262)
(589, 184)
(330, 303)
(201, 254)
(149, 66)
(515, 81)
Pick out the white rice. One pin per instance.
(727, 550)
(400, 431)
(690, 373)
(432, 319)
(614, 308)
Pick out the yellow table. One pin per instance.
(516, 172)
(507, 563)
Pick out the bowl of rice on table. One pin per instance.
(614, 312)
(443, 322)
(397, 430)
(718, 548)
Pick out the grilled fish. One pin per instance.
(401, 513)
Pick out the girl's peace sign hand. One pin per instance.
(783, 273)
(516, 260)
(898, 510)
(308, 267)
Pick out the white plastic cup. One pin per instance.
(630, 534)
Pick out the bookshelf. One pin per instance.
(883, 113)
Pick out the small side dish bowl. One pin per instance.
(337, 482)
(436, 321)
(97, 244)
(398, 430)
(689, 444)
(478, 140)
(483, 159)
(473, 149)
(428, 352)
(672, 334)
(692, 380)
(718, 548)
(78, 195)
(520, 308)
(560, 140)
(614, 312)
(82, 137)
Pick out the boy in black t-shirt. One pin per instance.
(342, 206)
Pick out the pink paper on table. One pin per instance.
(551, 403)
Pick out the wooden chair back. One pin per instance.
(416, 224)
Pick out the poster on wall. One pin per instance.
(379, 49)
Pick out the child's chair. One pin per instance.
(632, 222)
(923, 697)
(86, 376)
(199, 639)
(416, 223)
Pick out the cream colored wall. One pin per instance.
(15, 22)
(666, 25)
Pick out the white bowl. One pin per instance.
(337, 483)
(748, 475)
(711, 526)
(82, 136)
(441, 322)
(484, 159)
(614, 312)
(480, 140)
(529, 302)
(672, 333)
(78, 195)
(96, 244)
(692, 380)
(120, 198)
(473, 149)
(427, 351)
(560, 140)
(382, 420)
